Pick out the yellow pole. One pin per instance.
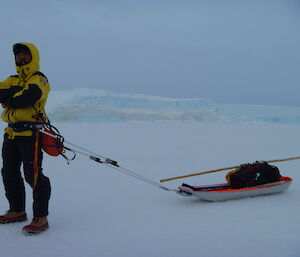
(229, 168)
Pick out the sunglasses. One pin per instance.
(22, 58)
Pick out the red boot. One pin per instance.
(37, 226)
(12, 217)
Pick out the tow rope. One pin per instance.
(102, 159)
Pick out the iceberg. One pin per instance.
(92, 105)
(96, 105)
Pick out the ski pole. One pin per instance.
(109, 162)
(229, 168)
(197, 174)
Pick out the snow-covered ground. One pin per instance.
(97, 211)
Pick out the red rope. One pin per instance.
(35, 160)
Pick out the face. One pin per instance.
(22, 58)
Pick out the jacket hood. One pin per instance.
(27, 70)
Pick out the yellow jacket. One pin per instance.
(24, 96)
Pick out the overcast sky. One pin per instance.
(233, 51)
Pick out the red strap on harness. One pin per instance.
(35, 160)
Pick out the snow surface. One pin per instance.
(97, 211)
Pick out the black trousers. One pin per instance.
(15, 152)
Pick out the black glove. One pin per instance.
(7, 93)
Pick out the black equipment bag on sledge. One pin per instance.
(253, 174)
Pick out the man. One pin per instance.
(23, 98)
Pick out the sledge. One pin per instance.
(223, 192)
(268, 182)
